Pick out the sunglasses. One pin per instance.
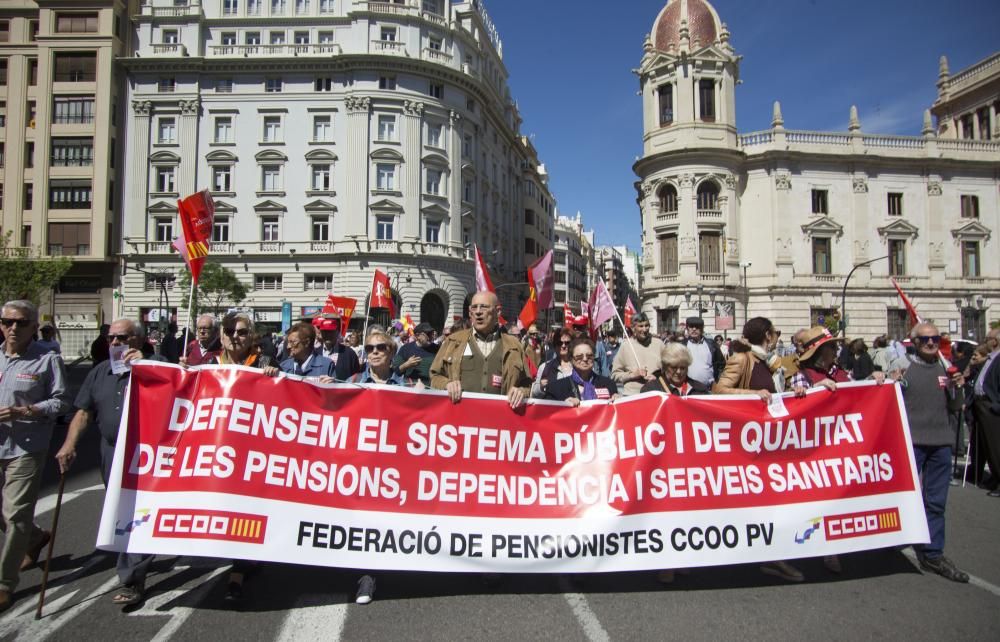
(21, 323)
(372, 347)
(583, 358)
(120, 338)
(931, 339)
(565, 343)
(242, 332)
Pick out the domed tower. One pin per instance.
(691, 166)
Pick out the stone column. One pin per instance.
(786, 230)
(687, 231)
(187, 179)
(937, 236)
(358, 137)
(861, 250)
(411, 173)
(137, 170)
(455, 191)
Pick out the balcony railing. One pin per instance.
(436, 55)
(311, 249)
(244, 51)
(388, 8)
(709, 214)
(433, 17)
(393, 47)
(169, 49)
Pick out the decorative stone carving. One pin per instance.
(687, 180)
(688, 247)
(413, 108)
(647, 189)
(937, 253)
(861, 250)
(934, 188)
(454, 116)
(784, 247)
(860, 184)
(142, 107)
(782, 181)
(190, 107)
(732, 249)
(730, 181)
(358, 104)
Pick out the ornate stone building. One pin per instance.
(337, 137)
(797, 213)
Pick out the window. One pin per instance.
(253, 7)
(668, 254)
(819, 204)
(433, 232)
(230, 7)
(706, 99)
(167, 131)
(467, 191)
(3, 72)
(323, 84)
(276, 37)
(301, 7)
(32, 72)
(252, 38)
(821, 256)
(165, 179)
(320, 228)
(709, 253)
(431, 6)
(897, 321)
(272, 129)
(69, 239)
(529, 246)
(163, 229)
(229, 39)
(895, 203)
(326, 6)
(325, 37)
(322, 129)
(272, 85)
(73, 66)
(223, 129)
(434, 134)
(29, 154)
(666, 96)
(1, 154)
(222, 178)
(76, 23)
(897, 257)
(436, 90)
(467, 146)
(278, 7)
(966, 123)
(387, 128)
(166, 85)
(29, 196)
(301, 37)
(321, 178)
(321, 282)
(70, 152)
(433, 181)
(172, 37)
(70, 195)
(267, 282)
(970, 206)
(4, 31)
(383, 228)
(529, 217)
(388, 34)
(668, 199)
(970, 258)
(25, 229)
(224, 86)
(386, 82)
(270, 178)
(220, 229)
(708, 196)
(983, 116)
(385, 176)
(269, 228)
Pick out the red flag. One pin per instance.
(483, 282)
(381, 296)
(601, 307)
(914, 317)
(541, 274)
(629, 311)
(567, 315)
(530, 310)
(341, 305)
(196, 213)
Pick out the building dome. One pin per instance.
(698, 16)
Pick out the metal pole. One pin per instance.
(843, 294)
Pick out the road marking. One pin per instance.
(192, 592)
(47, 503)
(973, 580)
(314, 618)
(591, 626)
(22, 620)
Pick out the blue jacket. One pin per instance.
(317, 367)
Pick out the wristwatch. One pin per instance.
(29, 411)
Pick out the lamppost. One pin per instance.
(970, 307)
(746, 291)
(702, 305)
(843, 294)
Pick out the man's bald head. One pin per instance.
(484, 309)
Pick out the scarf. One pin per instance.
(773, 361)
(249, 361)
(589, 392)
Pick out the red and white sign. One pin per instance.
(222, 461)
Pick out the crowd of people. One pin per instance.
(479, 355)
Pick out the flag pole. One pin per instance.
(187, 329)
(614, 308)
(368, 310)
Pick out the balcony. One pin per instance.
(270, 247)
(389, 8)
(172, 49)
(310, 249)
(262, 51)
(183, 11)
(391, 47)
(436, 55)
(709, 215)
(441, 21)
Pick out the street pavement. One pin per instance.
(881, 594)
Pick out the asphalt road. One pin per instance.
(881, 594)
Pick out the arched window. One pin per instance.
(668, 199)
(708, 196)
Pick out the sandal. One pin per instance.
(128, 595)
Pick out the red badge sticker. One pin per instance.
(602, 393)
(497, 381)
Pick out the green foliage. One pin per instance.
(26, 274)
(218, 289)
(994, 325)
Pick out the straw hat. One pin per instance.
(816, 336)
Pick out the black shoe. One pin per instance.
(234, 592)
(994, 493)
(945, 568)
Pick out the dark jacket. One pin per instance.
(718, 360)
(318, 366)
(697, 387)
(566, 388)
(991, 385)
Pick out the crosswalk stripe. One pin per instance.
(314, 618)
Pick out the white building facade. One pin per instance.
(799, 213)
(337, 137)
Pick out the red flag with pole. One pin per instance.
(530, 310)
(601, 307)
(196, 214)
(629, 312)
(483, 282)
(914, 317)
(381, 296)
(342, 306)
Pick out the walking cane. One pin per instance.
(52, 544)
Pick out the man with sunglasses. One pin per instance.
(207, 344)
(101, 400)
(32, 394)
(932, 395)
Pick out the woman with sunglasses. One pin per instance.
(583, 384)
(559, 367)
(240, 348)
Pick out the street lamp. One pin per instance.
(702, 305)
(843, 294)
(746, 291)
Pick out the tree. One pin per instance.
(218, 289)
(26, 274)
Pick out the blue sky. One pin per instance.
(570, 65)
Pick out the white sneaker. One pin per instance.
(366, 590)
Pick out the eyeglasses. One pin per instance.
(21, 323)
(480, 307)
(293, 344)
(372, 347)
(242, 332)
(583, 358)
(120, 338)
(200, 329)
(565, 343)
(675, 368)
(936, 338)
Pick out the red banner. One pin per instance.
(292, 462)
(341, 305)
(196, 213)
